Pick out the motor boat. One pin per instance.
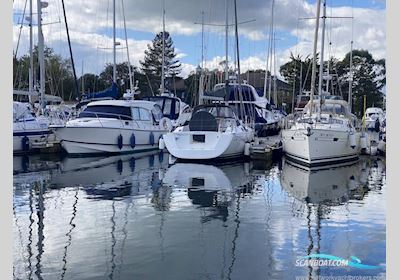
(374, 118)
(113, 126)
(173, 108)
(323, 134)
(213, 132)
(29, 130)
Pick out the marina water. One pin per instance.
(137, 217)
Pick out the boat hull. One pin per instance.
(95, 140)
(216, 145)
(321, 147)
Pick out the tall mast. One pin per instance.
(351, 78)
(30, 51)
(131, 77)
(226, 42)
(41, 5)
(114, 46)
(162, 87)
(270, 50)
(238, 63)
(321, 65)
(314, 61)
(202, 40)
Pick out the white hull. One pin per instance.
(323, 146)
(216, 144)
(95, 140)
(36, 132)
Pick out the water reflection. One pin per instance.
(124, 215)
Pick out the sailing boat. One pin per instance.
(172, 106)
(29, 130)
(325, 132)
(214, 131)
(113, 126)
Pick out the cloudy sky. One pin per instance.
(90, 24)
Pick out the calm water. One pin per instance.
(136, 217)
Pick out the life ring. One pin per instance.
(165, 124)
(120, 141)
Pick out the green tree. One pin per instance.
(152, 63)
(369, 77)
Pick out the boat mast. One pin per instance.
(131, 75)
(226, 42)
(351, 78)
(162, 86)
(114, 46)
(41, 5)
(242, 111)
(30, 51)
(271, 38)
(321, 65)
(314, 61)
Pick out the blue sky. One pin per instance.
(90, 29)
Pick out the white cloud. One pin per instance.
(90, 28)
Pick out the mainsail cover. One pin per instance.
(111, 92)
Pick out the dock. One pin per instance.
(266, 148)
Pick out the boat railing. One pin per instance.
(122, 118)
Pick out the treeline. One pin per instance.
(369, 75)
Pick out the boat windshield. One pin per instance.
(107, 111)
(219, 112)
(333, 109)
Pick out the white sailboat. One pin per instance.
(213, 132)
(325, 132)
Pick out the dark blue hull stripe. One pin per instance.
(32, 133)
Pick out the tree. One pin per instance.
(152, 64)
(59, 78)
(369, 77)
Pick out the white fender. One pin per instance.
(161, 144)
(352, 140)
(247, 149)
(363, 142)
(165, 124)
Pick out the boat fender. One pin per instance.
(309, 133)
(161, 144)
(161, 174)
(25, 143)
(247, 149)
(165, 124)
(132, 141)
(363, 142)
(352, 140)
(119, 141)
(151, 138)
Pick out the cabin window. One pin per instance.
(135, 114)
(107, 111)
(157, 113)
(144, 114)
(167, 107)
